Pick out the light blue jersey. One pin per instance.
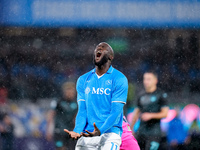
(98, 94)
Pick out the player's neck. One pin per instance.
(103, 69)
(151, 90)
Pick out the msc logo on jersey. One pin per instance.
(87, 90)
(98, 91)
(101, 91)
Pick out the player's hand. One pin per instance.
(96, 132)
(73, 134)
(146, 116)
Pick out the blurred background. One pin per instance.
(46, 43)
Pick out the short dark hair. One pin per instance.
(152, 72)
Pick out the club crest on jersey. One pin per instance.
(87, 90)
(165, 95)
(108, 82)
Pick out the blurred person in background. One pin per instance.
(6, 132)
(4, 106)
(176, 134)
(193, 139)
(151, 108)
(62, 115)
(3, 96)
(128, 140)
(6, 126)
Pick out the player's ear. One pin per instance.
(111, 57)
(156, 81)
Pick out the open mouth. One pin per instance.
(98, 54)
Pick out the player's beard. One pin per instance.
(103, 61)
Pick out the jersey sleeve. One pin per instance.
(81, 117)
(120, 90)
(138, 105)
(163, 100)
(80, 89)
(116, 112)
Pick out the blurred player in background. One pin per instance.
(62, 115)
(6, 125)
(151, 108)
(102, 93)
(176, 133)
(6, 132)
(128, 140)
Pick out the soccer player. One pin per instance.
(151, 107)
(62, 115)
(128, 140)
(102, 93)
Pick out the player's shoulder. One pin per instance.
(118, 74)
(85, 76)
(141, 93)
(161, 93)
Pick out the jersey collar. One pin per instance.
(110, 70)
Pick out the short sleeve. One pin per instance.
(120, 90)
(163, 100)
(80, 89)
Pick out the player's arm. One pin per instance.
(136, 114)
(162, 114)
(116, 111)
(80, 121)
(119, 96)
(81, 117)
(159, 115)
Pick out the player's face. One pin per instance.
(149, 80)
(101, 54)
(69, 93)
